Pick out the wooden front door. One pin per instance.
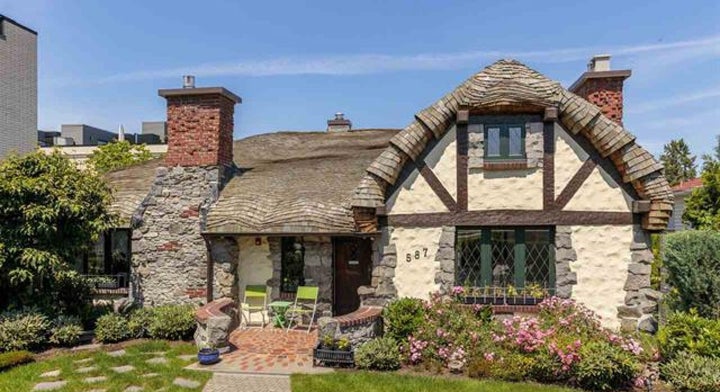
(353, 261)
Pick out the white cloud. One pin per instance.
(356, 64)
(652, 106)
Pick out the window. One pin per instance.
(108, 259)
(505, 141)
(292, 264)
(502, 257)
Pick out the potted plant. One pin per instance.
(333, 352)
(208, 355)
(514, 296)
(535, 294)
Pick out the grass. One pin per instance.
(23, 378)
(390, 382)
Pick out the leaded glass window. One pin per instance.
(502, 257)
(505, 141)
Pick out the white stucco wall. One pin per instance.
(255, 265)
(507, 189)
(416, 278)
(603, 255)
(443, 161)
(599, 192)
(414, 196)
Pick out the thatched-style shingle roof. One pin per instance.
(505, 86)
(296, 182)
(130, 187)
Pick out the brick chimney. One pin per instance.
(603, 87)
(199, 125)
(339, 123)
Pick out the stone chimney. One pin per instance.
(199, 125)
(603, 87)
(339, 123)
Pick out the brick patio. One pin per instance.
(268, 351)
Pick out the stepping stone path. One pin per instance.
(133, 388)
(187, 357)
(87, 369)
(123, 369)
(53, 373)
(49, 386)
(97, 390)
(82, 361)
(185, 383)
(116, 353)
(91, 380)
(148, 375)
(157, 361)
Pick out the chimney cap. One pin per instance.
(188, 81)
(339, 123)
(599, 62)
(179, 92)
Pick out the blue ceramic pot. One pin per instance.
(208, 356)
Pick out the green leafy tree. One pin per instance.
(117, 155)
(679, 163)
(50, 212)
(702, 207)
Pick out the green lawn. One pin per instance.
(389, 382)
(23, 378)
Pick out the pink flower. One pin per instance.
(489, 356)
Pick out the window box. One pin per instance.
(332, 357)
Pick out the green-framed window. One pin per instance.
(504, 256)
(504, 141)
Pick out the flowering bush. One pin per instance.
(564, 343)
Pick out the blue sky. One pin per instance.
(296, 63)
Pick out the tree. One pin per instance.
(679, 164)
(117, 155)
(702, 207)
(50, 212)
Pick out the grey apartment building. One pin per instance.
(18, 87)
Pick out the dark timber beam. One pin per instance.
(436, 185)
(549, 158)
(462, 167)
(575, 183)
(511, 218)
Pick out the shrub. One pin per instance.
(139, 322)
(512, 366)
(689, 332)
(692, 373)
(402, 318)
(692, 259)
(604, 367)
(14, 358)
(111, 328)
(66, 331)
(173, 322)
(22, 330)
(72, 293)
(378, 354)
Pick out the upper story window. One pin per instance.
(504, 141)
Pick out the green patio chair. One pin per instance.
(305, 303)
(255, 301)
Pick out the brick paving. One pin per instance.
(268, 351)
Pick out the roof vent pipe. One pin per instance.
(188, 81)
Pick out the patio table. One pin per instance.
(279, 309)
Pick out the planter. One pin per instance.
(523, 300)
(470, 300)
(332, 357)
(208, 356)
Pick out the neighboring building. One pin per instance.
(507, 180)
(682, 191)
(158, 128)
(18, 87)
(85, 135)
(80, 154)
(47, 138)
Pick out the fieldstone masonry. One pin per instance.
(169, 253)
(445, 257)
(382, 287)
(641, 301)
(224, 252)
(318, 268)
(565, 255)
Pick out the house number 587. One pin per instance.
(416, 255)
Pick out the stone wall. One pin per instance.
(641, 301)
(318, 269)
(224, 252)
(382, 286)
(445, 257)
(169, 254)
(565, 255)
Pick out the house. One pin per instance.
(507, 180)
(681, 192)
(18, 87)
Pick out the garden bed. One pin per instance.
(332, 357)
